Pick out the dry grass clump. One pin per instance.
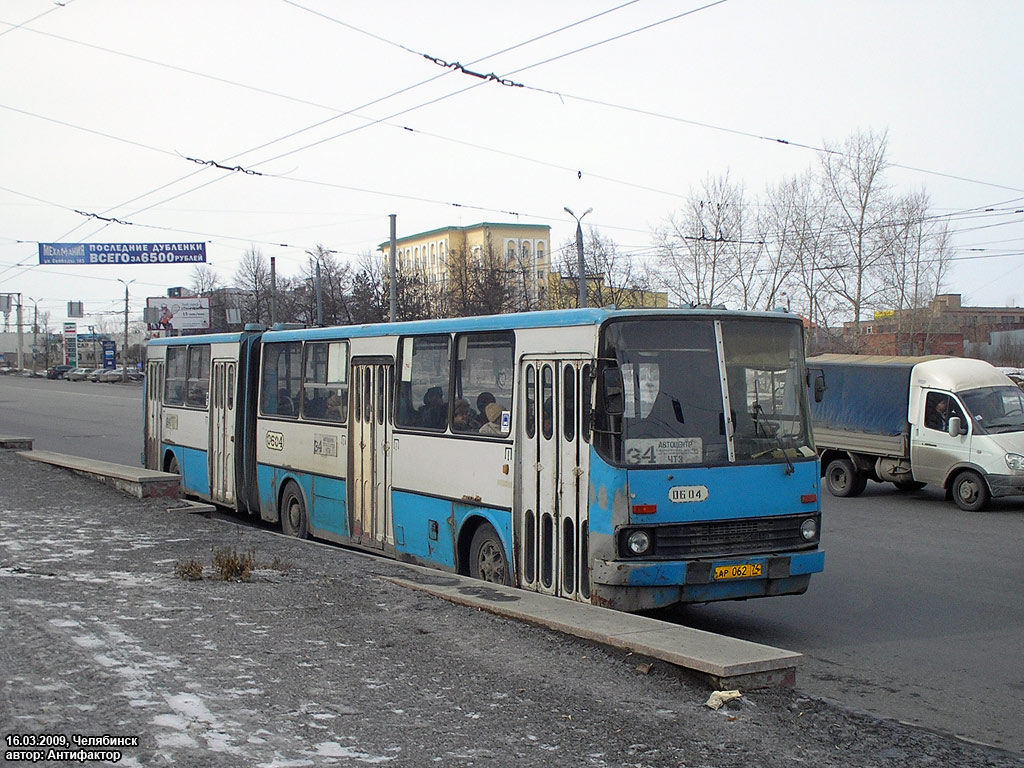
(228, 565)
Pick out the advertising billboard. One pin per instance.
(179, 314)
(122, 253)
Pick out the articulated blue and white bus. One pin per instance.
(633, 459)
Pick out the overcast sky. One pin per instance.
(103, 101)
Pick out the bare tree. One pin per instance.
(252, 279)
(853, 177)
(613, 276)
(205, 280)
(696, 246)
(914, 269)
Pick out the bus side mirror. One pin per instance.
(956, 427)
(611, 386)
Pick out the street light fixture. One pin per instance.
(580, 271)
(124, 352)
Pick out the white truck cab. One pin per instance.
(967, 430)
(953, 422)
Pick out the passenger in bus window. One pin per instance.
(336, 405)
(482, 401)
(462, 416)
(434, 412)
(493, 424)
(315, 406)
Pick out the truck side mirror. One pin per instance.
(819, 386)
(614, 398)
(956, 427)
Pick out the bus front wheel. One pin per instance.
(294, 521)
(487, 557)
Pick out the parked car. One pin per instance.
(58, 371)
(77, 374)
(94, 374)
(117, 374)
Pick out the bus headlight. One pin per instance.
(809, 529)
(639, 542)
(1015, 461)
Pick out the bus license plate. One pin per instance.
(738, 571)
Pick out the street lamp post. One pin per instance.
(35, 330)
(124, 352)
(580, 271)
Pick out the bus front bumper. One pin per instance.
(636, 585)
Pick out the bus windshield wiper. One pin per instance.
(773, 435)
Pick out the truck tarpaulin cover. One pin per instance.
(863, 398)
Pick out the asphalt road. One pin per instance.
(917, 617)
(83, 418)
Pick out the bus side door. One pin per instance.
(154, 413)
(222, 432)
(552, 514)
(370, 448)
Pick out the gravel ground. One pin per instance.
(318, 660)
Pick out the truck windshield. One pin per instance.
(995, 409)
(674, 398)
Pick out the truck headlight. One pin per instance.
(1015, 462)
(809, 529)
(639, 542)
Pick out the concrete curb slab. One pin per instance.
(135, 481)
(12, 443)
(724, 662)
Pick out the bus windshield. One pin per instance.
(674, 396)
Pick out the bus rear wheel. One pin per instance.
(487, 560)
(294, 520)
(172, 465)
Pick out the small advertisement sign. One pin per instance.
(122, 253)
(109, 354)
(179, 314)
(71, 344)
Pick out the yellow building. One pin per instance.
(430, 254)
(563, 293)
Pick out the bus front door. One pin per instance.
(154, 413)
(370, 441)
(552, 514)
(222, 432)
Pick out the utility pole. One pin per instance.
(273, 290)
(21, 341)
(393, 289)
(124, 352)
(35, 331)
(319, 297)
(580, 269)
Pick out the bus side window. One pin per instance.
(174, 379)
(425, 365)
(324, 381)
(281, 383)
(483, 378)
(198, 386)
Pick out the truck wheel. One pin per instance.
(908, 485)
(843, 479)
(970, 492)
